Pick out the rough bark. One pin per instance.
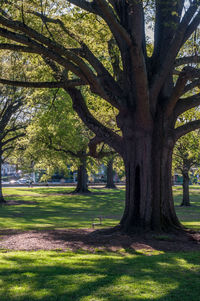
(186, 180)
(109, 173)
(149, 201)
(82, 186)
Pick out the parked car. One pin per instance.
(24, 181)
(13, 182)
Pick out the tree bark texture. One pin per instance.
(82, 186)
(149, 201)
(109, 173)
(186, 180)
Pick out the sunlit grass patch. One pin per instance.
(84, 276)
(56, 207)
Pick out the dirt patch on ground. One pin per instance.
(90, 240)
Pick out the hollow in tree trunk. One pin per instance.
(2, 200)
(82, 186)
(186, 180)
(110, 182)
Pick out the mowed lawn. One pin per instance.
(92, 276)
(56, 208)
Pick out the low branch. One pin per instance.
(31, 84)
(185, 104)
(101, 131)
(186, 128)
(194, 59)
(70, 84)
(192, 85)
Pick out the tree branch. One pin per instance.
(12, 139)
(186, 73)
(186, 104)
(187, 60)
(168, 62)
(192, 85)
(186, 128)
(104, 77)
(90, 7)
(101, 131)
(38, 84)
(191, 28)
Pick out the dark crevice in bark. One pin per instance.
(137, 196)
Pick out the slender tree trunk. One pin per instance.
(149, 201)
(110, 182)
(2, 200)
(186, 180)
(82, 186)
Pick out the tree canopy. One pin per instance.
(106, 48)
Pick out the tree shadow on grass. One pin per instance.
(109, 277)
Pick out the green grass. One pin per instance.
(81, 276)
(57, 209)
(99, 276)
(54, 208)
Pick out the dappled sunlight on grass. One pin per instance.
(85, 276)
(56, 207)
(189, 216)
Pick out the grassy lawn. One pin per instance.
(53, 208)
(102, 276)
(99, 276)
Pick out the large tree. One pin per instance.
(141, 86)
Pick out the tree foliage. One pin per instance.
(104, 47)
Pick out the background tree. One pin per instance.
(140, 86)
(57, 139)
(187, 155)
(13, 120)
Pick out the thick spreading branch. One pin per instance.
(173, 49)
(186, 74)
(90, 7)
(194, 59)
(101, 131)
(37, 84)
(192, 85)
(186, 128)
(186, 104)
(104, 77)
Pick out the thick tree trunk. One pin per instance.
(2, 200)
(82, 186)
(149, 201)
(186, 195)
(110, 182)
